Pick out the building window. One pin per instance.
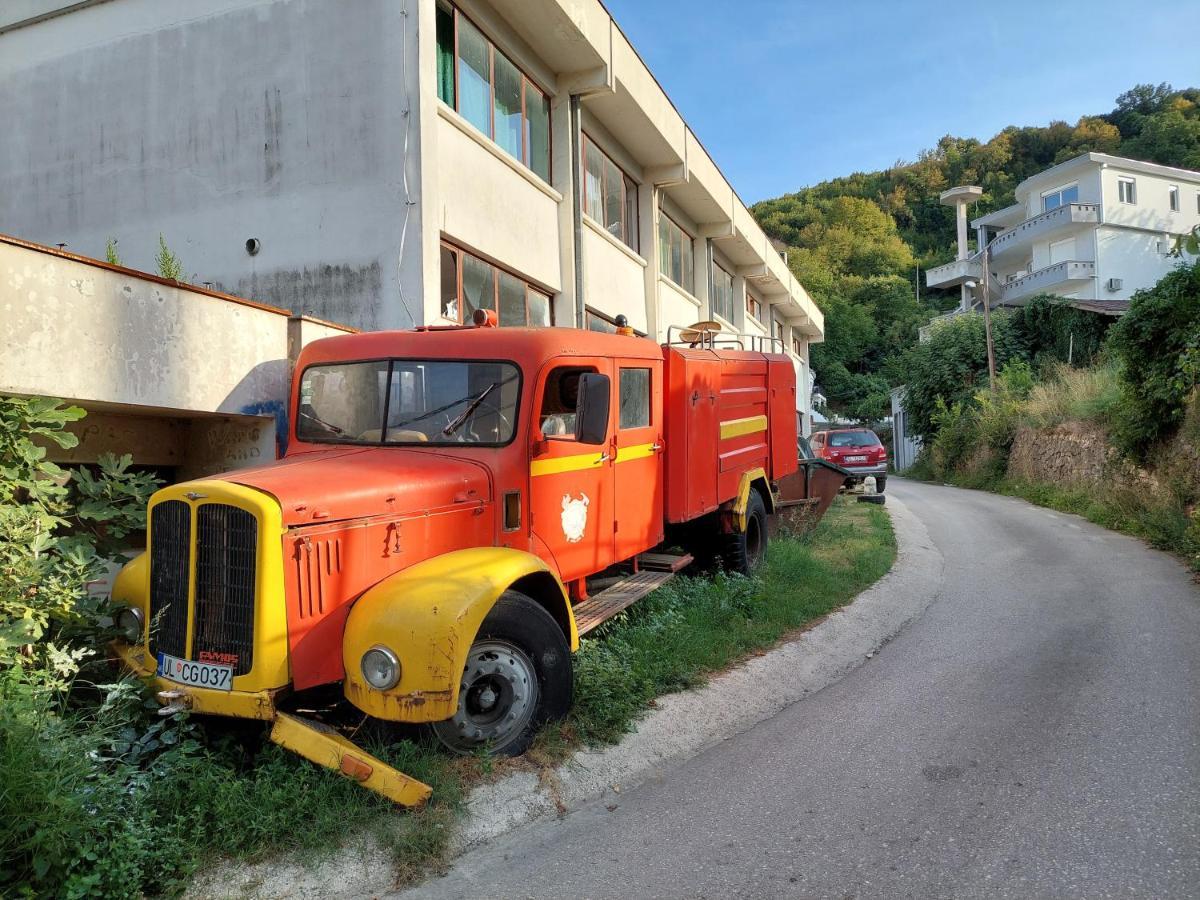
(598, 322)
(1173, 197)
(722, 299)
(1060, 197)
(635, 398)
(796, 347)
(1062, 251)
(609, 195)
(1127, 190)
(470, 283)
(487, 89)
(675, 253)
(753, 306)
(777, 330)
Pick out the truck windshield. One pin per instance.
(409, 401)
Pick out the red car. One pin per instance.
(858, 450)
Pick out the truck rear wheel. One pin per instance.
(517, 678)
(742, 551)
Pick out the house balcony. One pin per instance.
(1053, 222)
(1060, 278)
(953, 273)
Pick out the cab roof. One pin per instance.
(528, 347)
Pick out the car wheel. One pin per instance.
(742, 551)
(517, 678)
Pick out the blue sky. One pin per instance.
(785, 94)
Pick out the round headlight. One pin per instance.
(131, 623)
(381, 668)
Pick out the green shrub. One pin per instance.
(1053, 330)
(1156, 343)
(951, 366)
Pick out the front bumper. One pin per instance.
(314, 741)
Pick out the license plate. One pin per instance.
(856, 459)
(196, 674)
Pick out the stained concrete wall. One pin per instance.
(216, 121)
(180, 377)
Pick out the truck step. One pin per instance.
(663, 562)
(603, 606)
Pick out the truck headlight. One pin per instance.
(380, 667)
(131, 623)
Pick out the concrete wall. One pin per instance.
(216, 121)
(178, 376)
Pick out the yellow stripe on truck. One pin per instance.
(637, 451)
(559, 464)
(732, 428)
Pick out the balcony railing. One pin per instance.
(1058, 275)
(953, 273)
(1044, 224)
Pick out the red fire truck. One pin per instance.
(436, 537)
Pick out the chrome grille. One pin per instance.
(170, 537)
(226, 557)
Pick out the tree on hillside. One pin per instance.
(855, 241)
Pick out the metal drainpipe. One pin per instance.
(577, 207)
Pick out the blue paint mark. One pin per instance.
(277, 410)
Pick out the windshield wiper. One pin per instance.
(305, 414)
(471, 407)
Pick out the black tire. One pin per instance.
(742, 551)
(517, 678)
(880, 483)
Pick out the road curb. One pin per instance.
(686, 723)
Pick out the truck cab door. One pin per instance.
(638, 461)
(570, 484)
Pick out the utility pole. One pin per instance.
(987, 316)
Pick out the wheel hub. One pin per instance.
(497, 698)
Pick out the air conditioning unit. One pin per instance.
(1114, 284)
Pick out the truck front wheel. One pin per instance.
(517, 678)
(742, 551)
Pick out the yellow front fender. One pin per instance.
(131, 587)
(428, 616)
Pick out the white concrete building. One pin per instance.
(384, 163)
(1093, 229)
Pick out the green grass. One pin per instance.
(86, 816)
(691, 627)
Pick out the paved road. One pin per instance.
(1036, 733)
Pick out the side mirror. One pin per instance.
(591, 409)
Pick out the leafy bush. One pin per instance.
(1053, 330)
(951, 367)
(1156, 342)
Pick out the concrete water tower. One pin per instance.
(960, 197)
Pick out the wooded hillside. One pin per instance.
(857, 243)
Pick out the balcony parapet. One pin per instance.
(1043, 225)
(1069, 273)
(953, 273)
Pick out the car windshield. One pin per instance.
(853, 439)
(409, 401)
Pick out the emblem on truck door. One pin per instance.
(574, 517)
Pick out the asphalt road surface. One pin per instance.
(1036, 733)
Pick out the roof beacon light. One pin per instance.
(484, 318)
(623, 326)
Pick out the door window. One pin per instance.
(559, 401)
(635, 398)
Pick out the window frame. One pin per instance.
(1173, 197)
(649, 405)
(688, 273)
(461, 254)
(1127, 185)
(1059, 191)
(526, 81)
(717, 267)
(391, 361)
(627, 180)
(753, 303)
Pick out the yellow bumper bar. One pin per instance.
(312, 740)
(327, 748)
